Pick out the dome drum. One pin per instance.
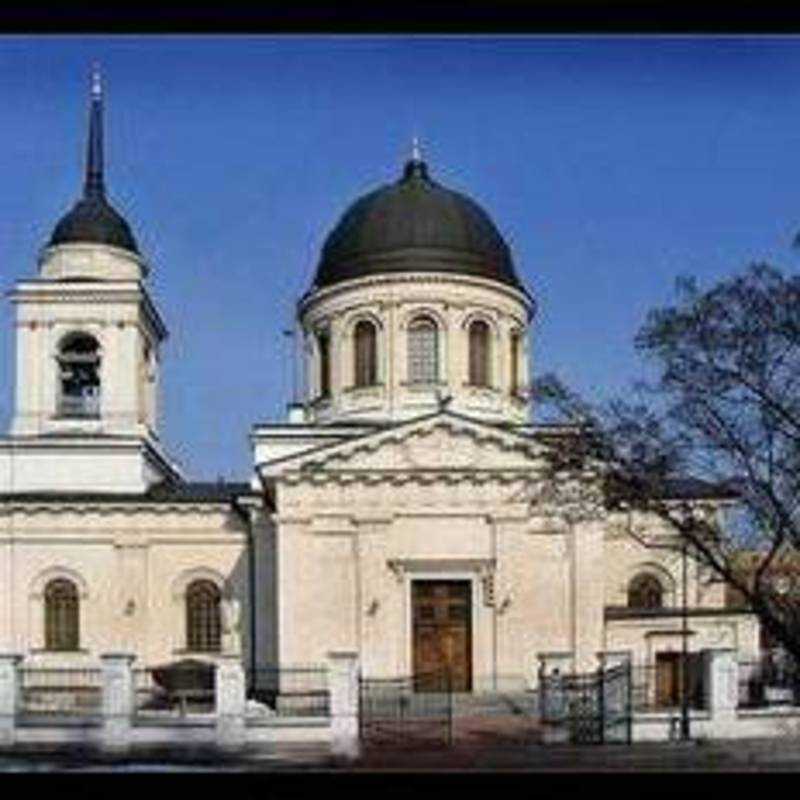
(423, 347)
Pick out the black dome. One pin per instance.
(414, 225)
(94, 220)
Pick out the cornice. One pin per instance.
(419, 476)
(108, 508)
(414, 279)
(401, 434)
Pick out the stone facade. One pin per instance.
(131, 562)
(449, 498)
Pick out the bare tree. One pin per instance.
(721, 422)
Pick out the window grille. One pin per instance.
(479, 353)
(423, 351)
(366, 366)
(645, 591)
(203, 624)
(61, 615)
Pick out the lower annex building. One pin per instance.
(399, 512)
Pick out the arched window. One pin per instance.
(203, 624)
(645, 591)
(324, 345)
(479, 353)
(423, 351)
(366, 354)
(61, 615)
(79, 376)
(515, 352)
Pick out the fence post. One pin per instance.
(629, 700)
(721, 688)
(230, 702)
(10, 691)
(343, 678)
(601, 700)
(118, 701)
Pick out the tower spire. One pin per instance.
(94, 187)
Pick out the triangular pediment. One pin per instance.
(443, 443)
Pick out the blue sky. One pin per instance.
(611, 165)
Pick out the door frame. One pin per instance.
(408, 651)
(464, 625)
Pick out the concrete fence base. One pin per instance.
(118, 730)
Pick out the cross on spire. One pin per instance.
(93, 185)
(416, 152)
(97, 85)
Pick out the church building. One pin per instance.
(400, 511)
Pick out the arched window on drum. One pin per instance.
(365, 349)
(324, 351)
(479, 353)
(423, 351)
(514, 355)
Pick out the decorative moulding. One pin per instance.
(401, 566)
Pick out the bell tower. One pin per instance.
(88, 342)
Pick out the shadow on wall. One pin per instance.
(264, 597)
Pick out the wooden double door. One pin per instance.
(442, 634)
(669, 677)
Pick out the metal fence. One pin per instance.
(768, 681)
(174, 691)
(654, 691)
(289, 691)
(592, 707)
(407, 711)
(51, 691)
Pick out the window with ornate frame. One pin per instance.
(61, 615)
(479, 353)
(203, 620)
(645, 591)
(423, 351)
(365, 349)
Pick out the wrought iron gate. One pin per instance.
(594, 707)
(406, 712)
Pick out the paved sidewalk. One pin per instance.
(753, 755)
(735, 756)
